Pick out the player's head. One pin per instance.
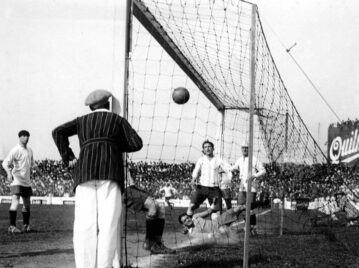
(98, 99)
(185, 220)
(168, 184)
(244, 148)
(24, 136)
(207, 148)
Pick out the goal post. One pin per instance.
(251, 133)
(218, 51)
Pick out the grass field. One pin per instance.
(50, 243)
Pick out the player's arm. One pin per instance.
(61, 136)
(6, 165)
(131, 141)
(203, 214)
(196, 172)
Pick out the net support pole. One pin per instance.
(282, 206)
(250, 149)
(128, 35)
(220, 144)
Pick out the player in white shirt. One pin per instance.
(169, 193)
(258, 170)
(206, 179)
(21, 160)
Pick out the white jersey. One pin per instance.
(169, 191)
(22, 159)
(209, 168)
(257, 171)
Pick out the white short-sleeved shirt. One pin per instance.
(169, 191)
(22, 159)
(257, 170)
(208, 169)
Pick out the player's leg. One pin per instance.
(26, 213)
(150, 206)
(109, 212)
(26, 193)
(138, 200)
(197, 198)
(227, 196)
(15, 200)
(159, 225)
(151, 215)
(85, 225)
(168, 202)
(253, 217)
(214, 196)
(241, 200)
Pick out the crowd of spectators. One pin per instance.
(348, 123)
(281, 180)
(54, 179)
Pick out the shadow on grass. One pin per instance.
(38, 253)
(209, 256)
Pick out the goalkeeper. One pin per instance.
(138, 200)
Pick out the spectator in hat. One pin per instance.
(99, 178)
(21, 159)
(258, 171)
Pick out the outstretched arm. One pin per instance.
(196, 172)
(203, 214)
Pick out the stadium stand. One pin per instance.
(297, 183)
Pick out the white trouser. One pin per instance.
(97, 232)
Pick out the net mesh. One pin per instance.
(205, 46)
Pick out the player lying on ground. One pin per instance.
(138, 200)
(223, 225)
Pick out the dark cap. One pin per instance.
(98, 97)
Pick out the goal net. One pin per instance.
(205, 46)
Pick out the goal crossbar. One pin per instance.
(146, 18)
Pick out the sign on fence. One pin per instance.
(343, 142)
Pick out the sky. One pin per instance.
(327, 38)
(38, 95)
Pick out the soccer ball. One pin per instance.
(180, 95)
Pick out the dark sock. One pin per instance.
(160, 226)
(12, 215)
(26, 217)
(228, 203)
(253, 220)
(150, 229)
